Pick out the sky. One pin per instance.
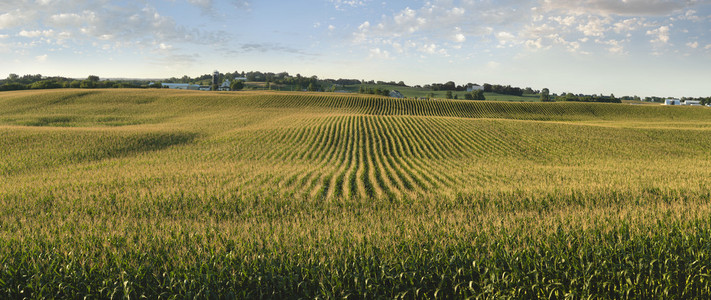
(626, 47)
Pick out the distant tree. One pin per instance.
(449, 86)
(311, 88)
(449, 95)
(237, 85)
(545, 95)
(87, 84)
(12, 77)
(12, 86)
(93, 78)
(46, 84)
(487, 88)
(478, 95)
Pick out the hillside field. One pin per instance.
(413, 92)
(165, 193)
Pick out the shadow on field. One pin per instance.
(116, 147)
(57, 121)
(29, 150)
(71, 97)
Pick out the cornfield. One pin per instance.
(181, 194)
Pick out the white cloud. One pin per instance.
(134, 23)
(343, 4)
(566, 21)
(12, 19)
(36, 33)
(41, 58)
(505, 38)
(331, 27)
(628, 25)
(71, 19)
(691, 16)
(661, 35)
(460, 38)
(380, 54)
(614, 46)
(692, 45)
(534, 44)
(30, 34)
(429, 48)
(457, 21)
(594, 27)
(619, 7)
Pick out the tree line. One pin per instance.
(588, 98)
(37, 81)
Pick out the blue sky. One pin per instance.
(625, 47)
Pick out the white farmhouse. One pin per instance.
(180, 86)
(672, 101)
(225, 86)
(692, 103)
(474, 87)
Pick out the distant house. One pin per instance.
(181, 86)
(692, 103)
(225, 86)
(672, 101)
(474, 87)
(396, 94)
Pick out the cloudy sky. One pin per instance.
(625, 47)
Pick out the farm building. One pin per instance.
(672, 101)
(181, 86)
(225, 86)
(474, 87)
(692, 103)
(396, 94)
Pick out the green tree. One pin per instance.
(449, 95)
(545, 95)
(87, 84)
(478, 95)
(237, 85)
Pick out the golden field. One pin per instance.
(163, 193)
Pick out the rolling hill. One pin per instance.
(277, 194)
